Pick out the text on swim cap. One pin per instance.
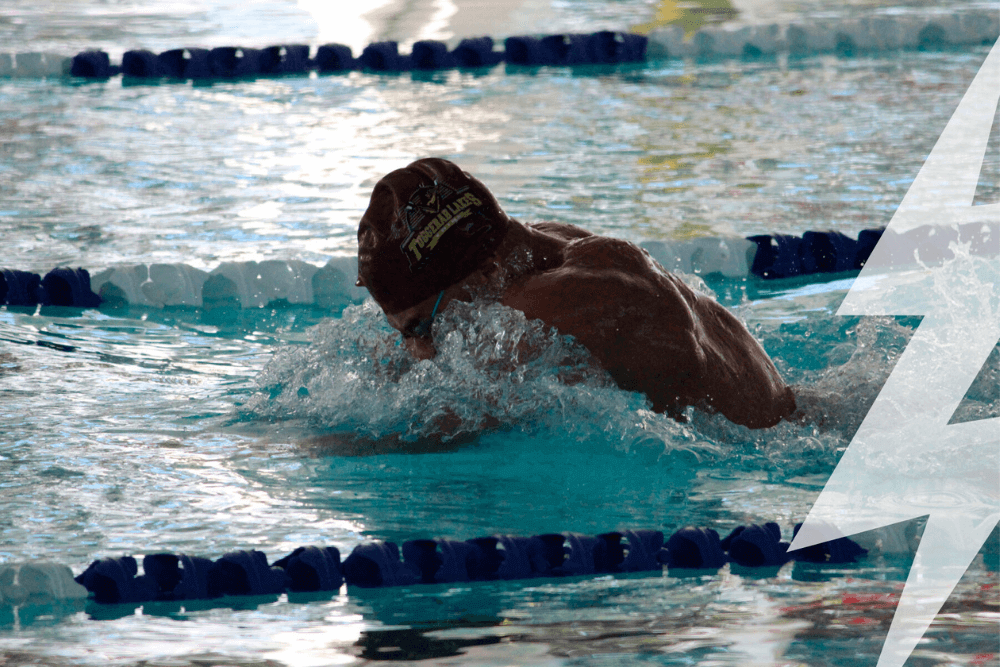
(449, 216)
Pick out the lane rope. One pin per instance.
(843, 37)
(251, 284)
(178, 577)
(258, 284)
(168, 577)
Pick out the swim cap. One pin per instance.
(427, 227)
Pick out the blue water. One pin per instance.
(137, 430)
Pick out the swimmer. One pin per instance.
(433, 233)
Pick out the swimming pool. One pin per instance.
(144, 429)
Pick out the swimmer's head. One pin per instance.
(427, 227)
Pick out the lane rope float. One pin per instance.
(169, 577)
(844, 37)
(257, 284)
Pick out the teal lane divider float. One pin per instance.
(845, 37)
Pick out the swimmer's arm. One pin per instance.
(446, 436)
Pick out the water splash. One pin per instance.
(498, 372)
(838, 397)
(494, 371)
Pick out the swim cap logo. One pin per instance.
(426, 200)
(430, 213)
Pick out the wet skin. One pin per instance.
(646, 328)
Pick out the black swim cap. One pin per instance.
(427, 227)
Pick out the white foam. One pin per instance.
(494, 369)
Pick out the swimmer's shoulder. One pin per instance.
(601, 273)
(561, 230)
(625, 263)
(597, 272)
(581, 249)
(606, 253)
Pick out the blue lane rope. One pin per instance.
(178, 577)
(252, 284)
(844, 37)
(173, 577)
(774, 256)
(257, 284)
(604, 47)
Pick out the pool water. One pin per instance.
(133, 430)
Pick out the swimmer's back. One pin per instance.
(650, 331)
